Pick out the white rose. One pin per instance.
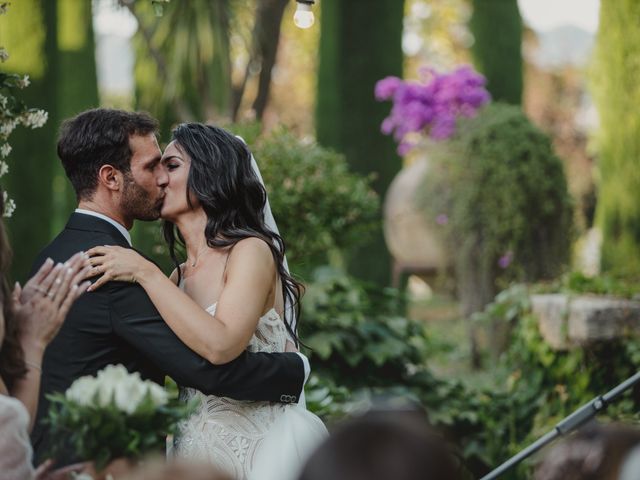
(108, 380)
(159, 395)
(82, 391)
(130, 393)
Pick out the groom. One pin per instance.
(112, 159)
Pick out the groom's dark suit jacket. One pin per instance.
(119, 324)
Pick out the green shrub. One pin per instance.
(363, 347)
(320, 206)
(504, 193)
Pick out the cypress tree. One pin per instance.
(29, 33)
(77, 87)
(497, 29)
(617, 96)
(354, 54)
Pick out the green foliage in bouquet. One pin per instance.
(320, 205)
(113, 415)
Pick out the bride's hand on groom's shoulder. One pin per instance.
(112, 263)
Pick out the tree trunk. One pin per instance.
(267, 39)
(475, 284)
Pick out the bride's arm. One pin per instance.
(219, 338)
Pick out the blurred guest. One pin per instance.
(595, 453)
(383, 445)
(29, 319)
(158, 469)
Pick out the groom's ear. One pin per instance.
(110, 177)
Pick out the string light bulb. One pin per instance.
(303, 18)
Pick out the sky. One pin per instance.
(546, 14)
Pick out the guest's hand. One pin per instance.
(42, 305)
(45, 472)
(119, 264)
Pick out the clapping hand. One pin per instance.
(42, 305)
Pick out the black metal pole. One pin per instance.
(567, 425)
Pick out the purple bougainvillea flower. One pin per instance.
(431, 106)
(505, 260)
(442, 219)
(386, 88)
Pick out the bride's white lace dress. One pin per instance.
(251, 440)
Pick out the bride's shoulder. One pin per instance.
(252, 245)
(250, 250)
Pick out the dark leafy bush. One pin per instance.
(320, 206)
(504, 193)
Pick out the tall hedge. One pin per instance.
(29, 33)
(497, 30)
(360, 43)
(617, 95)
(77, 87)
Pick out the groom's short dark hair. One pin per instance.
(99, 137)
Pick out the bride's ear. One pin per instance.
(110, 177)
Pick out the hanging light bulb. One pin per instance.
(303, 18)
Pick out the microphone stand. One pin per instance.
(567, 425)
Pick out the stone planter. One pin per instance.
(577, 320)
(412, 242)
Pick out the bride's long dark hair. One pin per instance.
(223, 181)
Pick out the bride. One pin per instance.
(233, 292)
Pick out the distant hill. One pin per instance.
(564, 45)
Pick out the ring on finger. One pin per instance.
(40, 289)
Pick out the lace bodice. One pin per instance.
(228, 432)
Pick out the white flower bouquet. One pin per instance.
(114, 414)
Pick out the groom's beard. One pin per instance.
(140, 204)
